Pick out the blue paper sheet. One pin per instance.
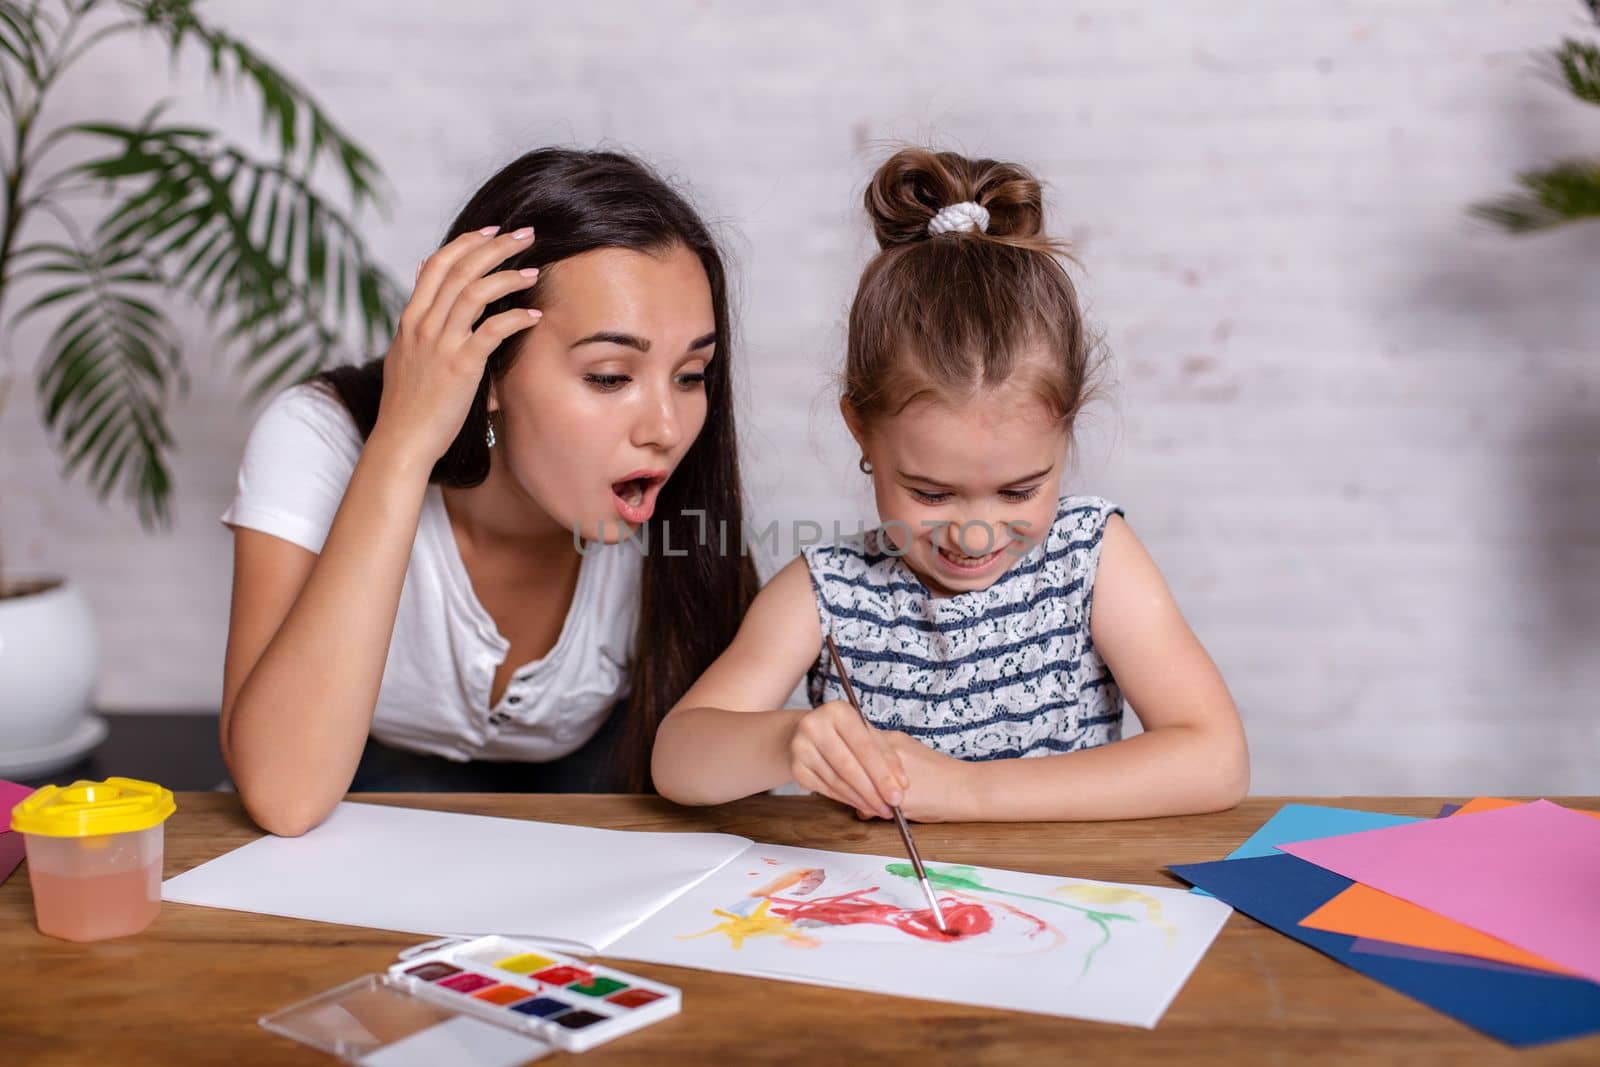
(1519, 1009)
(1428, 955)
(1305, 822)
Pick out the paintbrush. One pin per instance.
(899, 818)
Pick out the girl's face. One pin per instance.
(964, 492)
(608, 391)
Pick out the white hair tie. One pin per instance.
(952, 218)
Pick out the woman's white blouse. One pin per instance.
(442, 658)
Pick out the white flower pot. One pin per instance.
(49, 660)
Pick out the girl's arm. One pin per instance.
(1191, 758)
(711, 748)
(308, 633)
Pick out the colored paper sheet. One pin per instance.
(1302, 822)
(1517, 1008)
(1477, 804)
(1524, 875)
(1406, 952)
(11, 794)
(11, 843)
(1364, 912)
(11, 853)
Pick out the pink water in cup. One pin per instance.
(94, 856)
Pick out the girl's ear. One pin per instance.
(852, 422)
(494, 397)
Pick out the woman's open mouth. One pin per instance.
(635, 495)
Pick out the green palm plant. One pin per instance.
(1567, 191)
(141, 218)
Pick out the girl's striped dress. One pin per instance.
(993, 673)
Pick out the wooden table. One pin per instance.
(189, 989)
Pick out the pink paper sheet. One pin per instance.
(11, 846)
(11, 852)
(11, 794)
(1528, 875)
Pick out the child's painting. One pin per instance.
(1061, 946)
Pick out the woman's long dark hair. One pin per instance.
(692, 604)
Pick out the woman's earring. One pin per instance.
(488, 434)
(866, 468)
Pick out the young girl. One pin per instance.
(990, 627)
(410, 608)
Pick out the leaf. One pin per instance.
(250, 242)
(46, 299)
(280, 270)
(212, 257)
(1566, 192)
(105, 373)
(20, 37)
(1577, 67)
(280, 370)
(286, 107)
(316, 251)
(89, 442)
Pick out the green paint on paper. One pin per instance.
(961, 878)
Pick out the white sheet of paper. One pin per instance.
(1029, 942)
(438, 873)
(1059, 946)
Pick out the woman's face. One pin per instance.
(608, 391)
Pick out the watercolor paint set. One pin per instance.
(570, 1004)
(488, 1002)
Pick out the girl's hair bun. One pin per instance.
(912, 185)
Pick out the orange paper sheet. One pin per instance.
(1362, 911)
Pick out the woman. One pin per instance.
(440, 572)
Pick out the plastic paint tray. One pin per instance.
(489, 1002)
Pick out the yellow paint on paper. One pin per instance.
(1117, 896)
(757, 924)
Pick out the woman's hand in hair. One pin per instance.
(432, 371)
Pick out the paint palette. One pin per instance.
(489, 1002)
(568, 1003)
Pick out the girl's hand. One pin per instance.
(834, 753)
(941, 785)
(432, 370)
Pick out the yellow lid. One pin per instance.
(92, 809)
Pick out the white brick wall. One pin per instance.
(1361, 434)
